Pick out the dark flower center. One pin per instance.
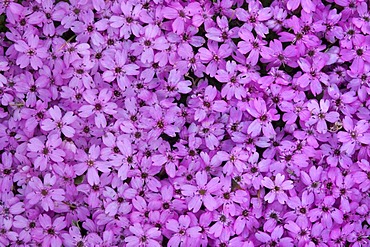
(359, 52)
(90, 28)
(202, 192)
(116, 150)
(182, 13)
(118, 70)
(245, 213)
(80, 71)
(130, 159)
(263, 118)
(160, 124)
(51, 231)
(86, 129)
(227, 196)
(234, 127)
(98, 106)
(129, 19)
(137, 135)
(31, 52)
(207, 104)
(255, 45)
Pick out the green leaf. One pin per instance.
(79, 179)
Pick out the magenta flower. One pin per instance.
(363, 20)
(90, 162)
(43, 152)
(202, 193)
(50, 231)
(59, 123)
(313, 75)
(180, 14)
(214, 56)
(97, 106)
(277, 188)
(359, 54)
(255, 17)
(6, 180)
(326, 213)
(32, 52)
(143, 237)
(117, 69)
(234, 82)
(307, 5)
(255, 46)
(127, 22)
(320, 114)
(44, 192)
(87, 29)
(257, 108)
(353, 135)
(183, 234)
(275, 238)
(126, 159)
(362, 176)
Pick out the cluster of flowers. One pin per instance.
(184, 123)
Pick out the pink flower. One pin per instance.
(255, 46)
(257, 108)
(320, 114)
(353, 135)
(127, 22)
(59, 123)
(275, 238)
(214, 56)
(143, 236)
(180, 14)
(202, 192)
(183, 234)
(307, 5)
(90, 163)
(97, 106)
(312, 74)
(50, 231)
(45, 192)
(277, 188)
(32, 52)
(43, 152)
(118, 69)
